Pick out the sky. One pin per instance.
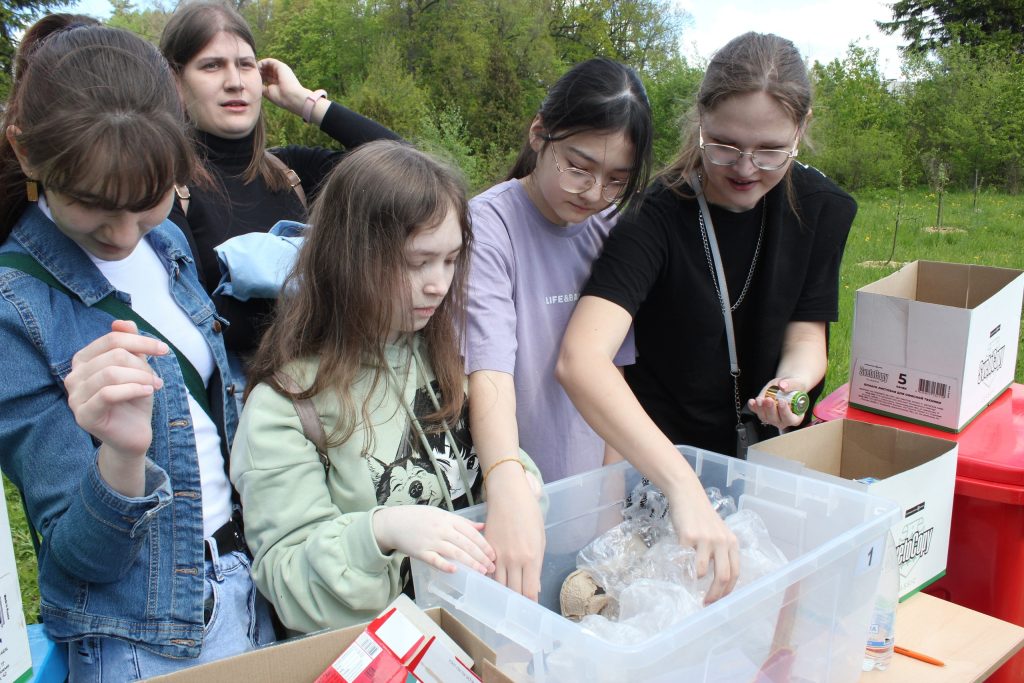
(821, 29)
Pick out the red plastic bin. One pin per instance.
(985, 568)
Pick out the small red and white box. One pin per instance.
(402, 645)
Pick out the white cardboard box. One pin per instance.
(15, 655)
(916, 471)
(935, 343)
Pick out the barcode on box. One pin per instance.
(927, 386)
(369, 646)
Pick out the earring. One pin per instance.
(32, 190)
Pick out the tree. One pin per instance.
(671, 91)
(147, 23)
(964, 108)
(858, 121)
(931, 24)
(15, 17)
(641, 33)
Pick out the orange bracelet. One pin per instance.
(501, 462)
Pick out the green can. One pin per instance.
(798, 401)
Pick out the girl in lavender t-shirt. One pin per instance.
(535, 237)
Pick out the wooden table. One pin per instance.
(973, 645)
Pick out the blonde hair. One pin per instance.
(750, 63)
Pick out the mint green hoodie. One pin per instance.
(314, 554)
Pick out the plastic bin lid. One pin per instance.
(991, 446)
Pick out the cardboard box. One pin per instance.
(917, 471)
(935, 343)
(15, 654)
(304, 659)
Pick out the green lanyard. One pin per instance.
(121, 311)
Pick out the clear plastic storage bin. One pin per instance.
(807, 621)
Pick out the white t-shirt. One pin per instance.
(151, 298)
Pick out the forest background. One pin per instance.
(935, 157)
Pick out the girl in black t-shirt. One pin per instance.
(781, 228)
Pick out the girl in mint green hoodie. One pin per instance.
(367, 330)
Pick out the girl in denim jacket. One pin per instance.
(115, 434)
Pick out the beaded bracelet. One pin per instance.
(501, 462)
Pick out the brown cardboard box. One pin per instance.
(915, 470)
(301, 660)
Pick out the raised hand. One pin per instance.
(110, 392)
(281, 86)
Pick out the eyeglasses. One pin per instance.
(578, 181)
(727, 155)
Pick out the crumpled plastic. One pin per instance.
(642, 566)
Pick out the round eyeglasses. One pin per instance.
(727, 155)
(578, 181)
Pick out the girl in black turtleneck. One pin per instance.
(241, 188)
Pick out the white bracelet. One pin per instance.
(311, 99)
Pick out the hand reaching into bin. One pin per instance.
(601, 394)
(698, 525)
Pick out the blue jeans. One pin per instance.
(237, 619)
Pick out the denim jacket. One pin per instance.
(109, 565)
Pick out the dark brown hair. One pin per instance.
(190, 29)
(336, 305)
(99, 120)
(750, 63)
(597, 95)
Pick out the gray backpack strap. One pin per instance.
(312, 427)
(293, 177)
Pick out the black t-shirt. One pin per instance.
(654, 266)
(230, 207)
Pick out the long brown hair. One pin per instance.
(750, 63)
(190, 29)
(99, 119)
(337, 303)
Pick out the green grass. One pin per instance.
(992, 235)
(989, 234)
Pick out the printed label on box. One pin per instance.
(913, 543)
(991, 362)
(918, 395)
(365, 661)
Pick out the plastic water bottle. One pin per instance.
(881, 634)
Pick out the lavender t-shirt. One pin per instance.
(525, 277)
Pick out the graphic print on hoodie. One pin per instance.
(409, 479)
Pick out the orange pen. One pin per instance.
(917, 655)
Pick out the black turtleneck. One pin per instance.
(231, 207)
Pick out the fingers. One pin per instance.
(726, 568)
(124, 326)
(438, 562)
(139, 381)
(531, 580)
(454, 539)
(125, 338)
(470, 547)
(268, 70)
